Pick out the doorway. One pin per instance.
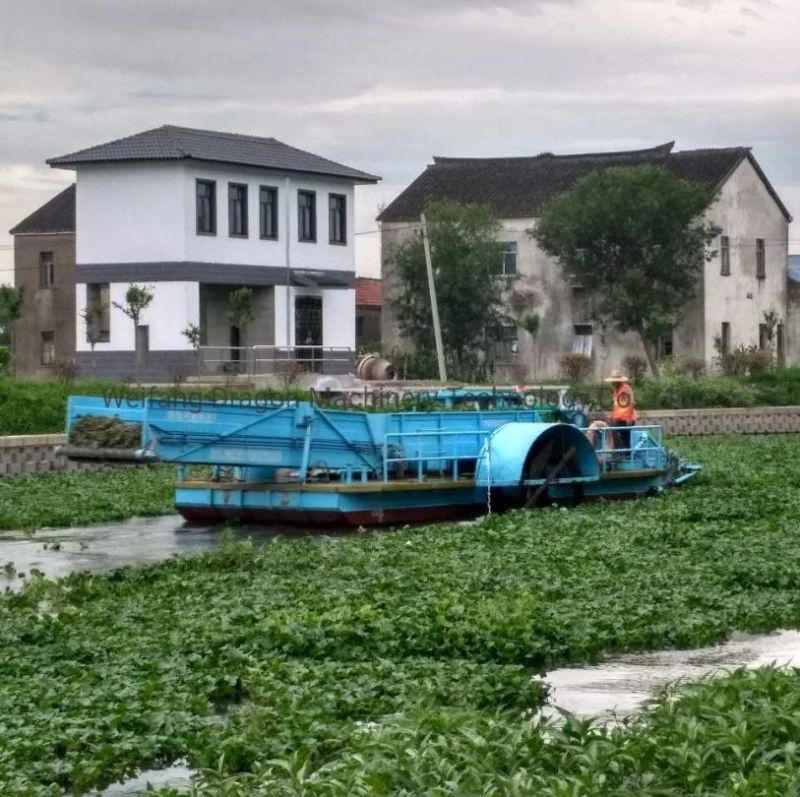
(308, 332)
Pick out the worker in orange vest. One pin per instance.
(623, 409)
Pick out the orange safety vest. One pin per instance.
(623, 408)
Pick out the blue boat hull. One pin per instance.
(378, 504)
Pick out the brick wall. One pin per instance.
(735, 420)
(22, 454)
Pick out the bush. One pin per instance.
(687, 366)
(576, 367)
(635, 367)
(675, 391)
(743, 360)
(5, 359)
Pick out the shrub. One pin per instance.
(576, 367)
(5, 359)
(674, 391)
(742, 360)
(687, 366)
(635, 367)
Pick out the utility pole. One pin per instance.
(288, 225)
(437, 330)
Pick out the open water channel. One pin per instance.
(611, 689)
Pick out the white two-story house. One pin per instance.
(194, 214)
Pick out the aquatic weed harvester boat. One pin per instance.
(300, 463)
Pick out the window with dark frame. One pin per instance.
(725, 256)
(47, 270)
(98, 303)
(763, 337)
(307, 216)
(725, 338)
(761, 259)
(509, 258)
(337, 209)
(48, 353)
(206, 201)
(237, 210)
(268, 212)
(582, 339)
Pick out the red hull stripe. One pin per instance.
(299, 517)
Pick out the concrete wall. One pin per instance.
(174, 305)
(145, 212)
(792, 323)
(49, 309)
(131, 215)
(368, 318)
(744, 210)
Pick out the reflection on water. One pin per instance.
(619, 686)
(106, 546)
(176, 777)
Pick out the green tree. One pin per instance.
(10, 310)
(636, 237)
(466, 257)
(194, 335)
(137, 300)
(92, 316)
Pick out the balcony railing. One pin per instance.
(284, 361)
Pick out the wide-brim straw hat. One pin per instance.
(616, 376)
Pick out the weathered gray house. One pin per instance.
(44, 267)
(747, 278)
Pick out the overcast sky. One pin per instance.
(384, 86)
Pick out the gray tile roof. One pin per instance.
(518, 187)
(178, 143)
(56, 215)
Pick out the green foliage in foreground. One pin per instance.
(78, 498)
(401, 663)
(778, 387)
(36, 406)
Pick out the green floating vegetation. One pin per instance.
(411, 662)
(81, 497)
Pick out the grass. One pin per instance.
(77, 498)
(405, 663)
(39, 407)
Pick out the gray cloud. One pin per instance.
(383, 86)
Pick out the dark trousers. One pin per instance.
(622, 433)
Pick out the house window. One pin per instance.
(337, 209)
(46, 270)
(725, 256)
(582, 339)
(268, 213)
(307, 216)
(761, 259)
(664, 347)
(509, 266)
(98, 312)
(725, 338)
(206, 202)
(763, 337)
(48, 348)
(507, 344)
(237, 210)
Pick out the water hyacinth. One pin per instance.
(366, 666)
